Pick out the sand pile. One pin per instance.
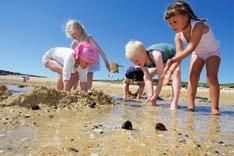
(52, 97)
(4, 92)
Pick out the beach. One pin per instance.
(36, 125)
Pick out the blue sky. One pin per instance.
(30, 27)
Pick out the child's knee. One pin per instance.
(193, 77)
(212, 79)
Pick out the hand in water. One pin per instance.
(152, 101)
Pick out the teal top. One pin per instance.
(167, 50)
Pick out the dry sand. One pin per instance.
(85, 128)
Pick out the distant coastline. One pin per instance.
(5, 72)
(119, 81)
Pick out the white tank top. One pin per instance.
(208, 42)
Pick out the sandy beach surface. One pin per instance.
(35, 119)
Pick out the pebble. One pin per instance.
(35, 107)
(127, 125)
(92, 104)
(51, 116)
(73, 149)
(160, 127)
(27, 115)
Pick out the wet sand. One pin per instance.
(97, 131)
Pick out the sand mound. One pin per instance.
(4, 92)
(52, 97)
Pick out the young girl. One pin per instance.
(152, 62)
(66, 62)
(77, 32)
(203, 46)
(134, 74)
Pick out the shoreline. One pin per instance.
(115, 89)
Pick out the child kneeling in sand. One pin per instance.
(152, 61)
(68, 63)
(134, 75)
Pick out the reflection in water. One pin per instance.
(16, 140)
(99, 130)
(214, 125)
(17, 90)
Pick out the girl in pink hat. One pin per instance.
(71, 64)
(76, 31)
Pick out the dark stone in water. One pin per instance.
(92, 104)
(96, 127)
(73, 149)
(127, 125)
(160, 127)
(35, 107)
(21, 86)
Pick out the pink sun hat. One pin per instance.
(87, 52)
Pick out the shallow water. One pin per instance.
(98, 132)
(16, 90)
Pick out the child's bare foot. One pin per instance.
(173, 107)
(215, 112)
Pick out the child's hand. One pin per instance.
(168, 65)
(152, 101)
(166, 77)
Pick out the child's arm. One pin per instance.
(67, 71)
(126, 83)
(141, 89)
(168, 72)
(83, 79)
(102, 53)
(160, 67)
(170, 67)
(197, 33)
(148, 82)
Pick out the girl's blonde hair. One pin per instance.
(133, 47)
(73, 26)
